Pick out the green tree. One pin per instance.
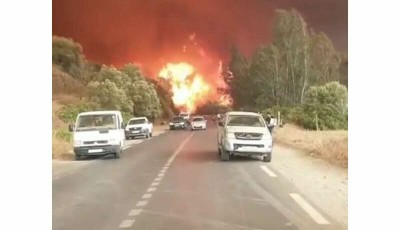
(143, 94)
(107, 95)
(236, 78)
(68, 55)
(326, 107)
(290, 36)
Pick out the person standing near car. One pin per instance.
(272, 123)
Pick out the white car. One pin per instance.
(139, 126)
(244, 134)
(98, 133)
(198, 122)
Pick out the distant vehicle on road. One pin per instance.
(186, 116)
(198, 122)
(244, 134)
(139, 126)
(98, 133)
(178, 123)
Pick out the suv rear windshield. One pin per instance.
(245, 120)
(136, 121)
(198, 119)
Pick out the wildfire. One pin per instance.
(188, 86)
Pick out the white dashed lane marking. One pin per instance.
(135, 212)
(127, 223)
(268, 171)
(141, 203)
(154, 184)
(146, 196)
(314, 214)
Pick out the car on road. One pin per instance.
(198, 122)
(177, 123)
(98, 133)
(244, 134)
(139, 126)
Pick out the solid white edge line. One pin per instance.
(268, 171)
(314, 214)
(126, 223)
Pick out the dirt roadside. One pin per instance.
(323, 183)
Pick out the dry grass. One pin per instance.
(63, 83)
(330, 145)
(61, 149)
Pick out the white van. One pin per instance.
(98, 133)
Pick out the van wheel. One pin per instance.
(225, 155)
(118, 154)
(267, 158)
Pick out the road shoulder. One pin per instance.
(321, 182)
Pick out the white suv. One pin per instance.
(244, 134)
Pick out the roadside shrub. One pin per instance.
(69, 113)
(325, 107)
(63, 134)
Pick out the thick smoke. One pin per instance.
(153, 32)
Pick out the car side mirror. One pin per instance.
(220, 123)
(71, 127)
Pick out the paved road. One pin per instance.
(175, 181)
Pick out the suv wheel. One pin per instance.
(267, 158)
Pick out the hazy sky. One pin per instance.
(150, 32)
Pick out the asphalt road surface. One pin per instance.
(176, 181)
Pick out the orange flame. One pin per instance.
(188, 87)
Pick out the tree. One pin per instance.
(68, 55)
(236, 79)
(265, 77)
(143, 95)
(290, 36)
(107, 95)
(326, 107)
(325, 61)
(343, 69)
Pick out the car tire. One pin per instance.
(78, 157)
(225, 155)
(151, 134)
(267, 158)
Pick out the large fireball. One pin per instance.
(188, 86)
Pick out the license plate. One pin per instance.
(134, 131)
(176, 125)
(95, 151)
